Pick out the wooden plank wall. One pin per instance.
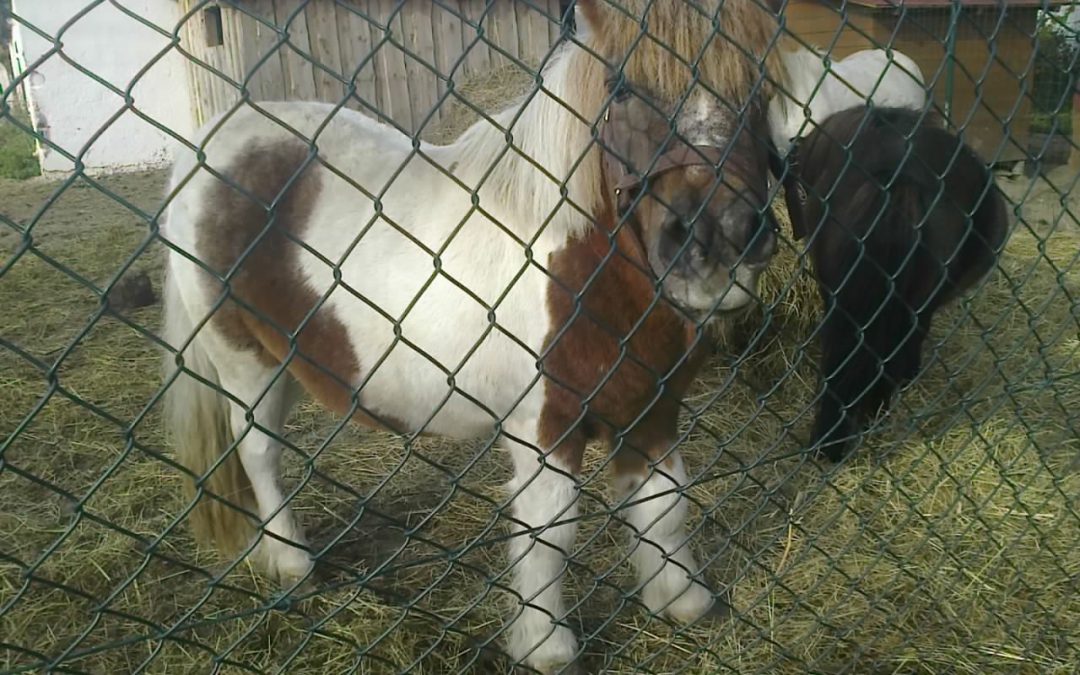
(990, 97)
(334, 42)
(991, 94)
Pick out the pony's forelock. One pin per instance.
(669, 45)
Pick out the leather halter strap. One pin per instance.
(623, 134)
(795, 196)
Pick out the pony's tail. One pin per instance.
(871, 336)
(197, 422)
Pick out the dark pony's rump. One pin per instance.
(901, 217)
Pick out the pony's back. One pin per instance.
(902, 217)
(882, 77)
(900, 184)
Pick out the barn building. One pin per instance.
(181, 61)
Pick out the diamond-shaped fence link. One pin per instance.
(541, 307)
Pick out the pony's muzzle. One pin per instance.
(746, 237)
(761, 249)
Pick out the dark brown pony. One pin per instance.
(901, 218)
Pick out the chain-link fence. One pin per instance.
(476, 268)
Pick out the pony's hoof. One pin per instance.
(721, 608)
(833, 452)
(695, 603)
(557, 653)
(286, 564)
(822, 456)
(572, 668)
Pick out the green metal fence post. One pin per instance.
(950, 58)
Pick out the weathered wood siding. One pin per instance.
(398, 55)
(994, 46)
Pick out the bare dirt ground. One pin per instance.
(949, 545)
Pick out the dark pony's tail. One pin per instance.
(872, 333)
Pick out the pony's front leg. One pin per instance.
(667, 572)
(543, 494)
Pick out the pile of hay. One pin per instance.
(950, 544)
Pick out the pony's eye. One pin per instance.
(618, 89)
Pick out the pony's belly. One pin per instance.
(441, 356)
(420, 396)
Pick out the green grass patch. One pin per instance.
(18, 160)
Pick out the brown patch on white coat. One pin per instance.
(254, 222)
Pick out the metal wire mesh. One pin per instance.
(947, 543)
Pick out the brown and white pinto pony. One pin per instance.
(566, 304)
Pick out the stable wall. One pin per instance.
(80, 115)
(396, 55)
(990, 98)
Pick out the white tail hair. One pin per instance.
(197, 423)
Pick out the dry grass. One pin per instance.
(488, 94)
(951, 544)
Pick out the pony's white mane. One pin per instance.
(551, 147)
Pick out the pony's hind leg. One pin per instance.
(259, 424)
(668, 575)
(543, 494)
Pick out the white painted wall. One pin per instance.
(69, 107)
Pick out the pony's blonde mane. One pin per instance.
(553, 140)
(728, 43)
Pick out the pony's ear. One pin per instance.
(795, 205)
